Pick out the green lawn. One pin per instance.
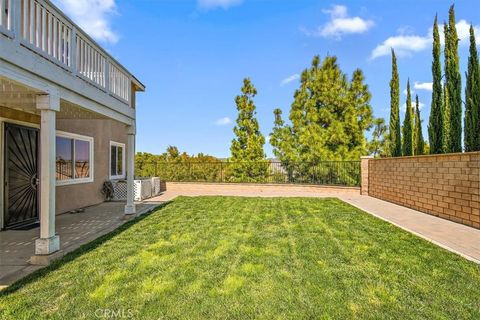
(243, 258)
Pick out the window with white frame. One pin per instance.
(74, 158)
(117, 160)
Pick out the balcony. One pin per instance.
(68, 56)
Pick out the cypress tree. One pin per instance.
(419, 142)
(408, 126)
(472, 98)
(436, 120)
(454, 84)
(446, 118)
(394, 133)
(414, 131)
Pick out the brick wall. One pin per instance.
(364, 161)
(447, 186)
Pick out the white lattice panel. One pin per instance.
(119, 190)
(142, 189)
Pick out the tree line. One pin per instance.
(445, 122)
(330, 114)
(327, 122)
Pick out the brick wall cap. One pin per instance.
(431, 155)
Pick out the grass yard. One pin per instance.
(243, 258)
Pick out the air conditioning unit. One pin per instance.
(142, 189)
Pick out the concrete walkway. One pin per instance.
(452, 236)
(18, 246)
(449, 235)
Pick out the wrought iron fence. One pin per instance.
(65, 169)
(345, 173)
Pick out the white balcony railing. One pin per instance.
(119, 83)
(91, 63)
(41, 27)
(44, 29)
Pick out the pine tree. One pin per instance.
(419, 142)
(378, 145)
(454, 84)
(407, 147)
(281, 140)
(247, 147)
(328, 119)
(472, 98)
(436, 120)
(394, 131)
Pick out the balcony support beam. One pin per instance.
(49, 242)
(130, 207)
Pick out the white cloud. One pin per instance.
(93, 16)
(463, 32)
(411, 92)
(213, 4)
(223, 121)
(407, 45)
(340, 24)
(403, 45)
(290, 79)
(428, 86)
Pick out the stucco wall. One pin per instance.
(447, 185)
(76, 196)
(103, 131)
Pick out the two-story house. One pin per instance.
(67, 119)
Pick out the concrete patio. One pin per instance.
(17, 247)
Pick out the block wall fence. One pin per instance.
(447, 185)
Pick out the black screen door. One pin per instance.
(21, 176)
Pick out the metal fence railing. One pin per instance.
(344, 173)
(66, 171)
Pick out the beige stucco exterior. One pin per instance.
(103, 131)
(54, 77)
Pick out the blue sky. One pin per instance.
(193, 55)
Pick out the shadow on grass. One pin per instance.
(83, 249)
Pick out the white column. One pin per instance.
(49, 242)
(130, 207)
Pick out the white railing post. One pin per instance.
(73, 51)
(15, 18)
(3, 19)
(107, 76)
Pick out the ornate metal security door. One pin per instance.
(21, 176)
